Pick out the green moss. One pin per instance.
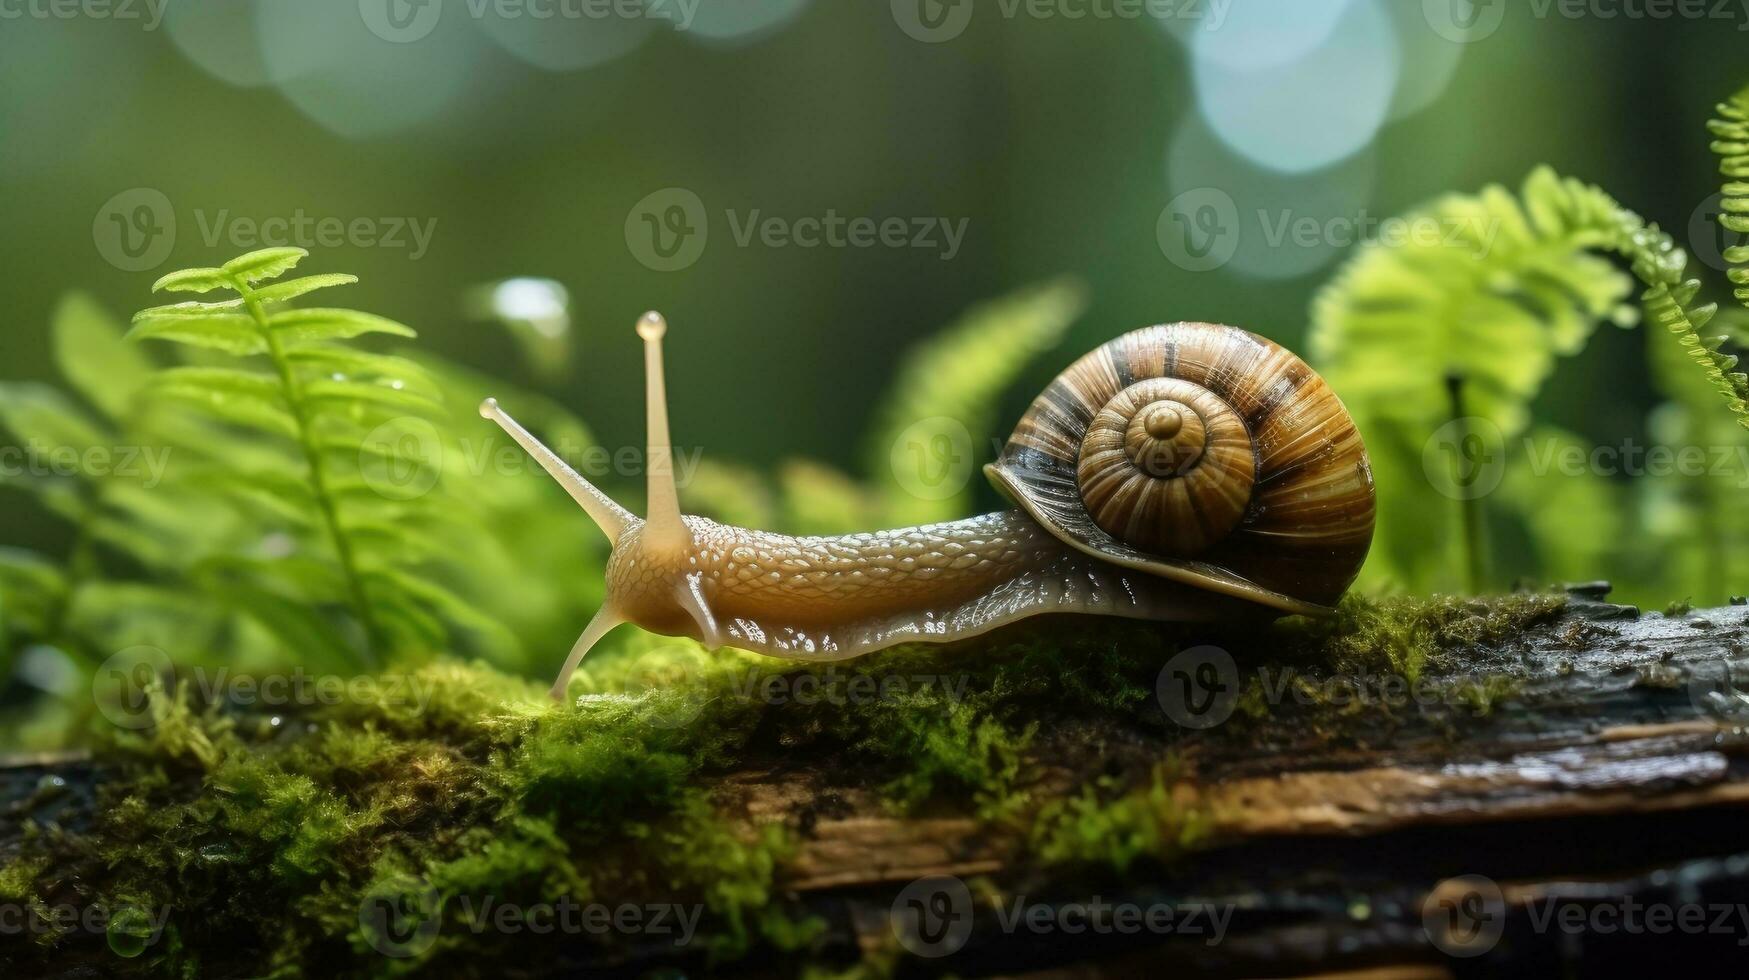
(1153, 820)
(1481, 694)
(265, 836)
(1402, 635)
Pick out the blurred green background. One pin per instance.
(528, 144)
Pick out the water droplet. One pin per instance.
(130, 932)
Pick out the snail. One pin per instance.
(1185, 472)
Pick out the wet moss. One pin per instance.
(1160, 820)
(266, 838)
(1407, 636)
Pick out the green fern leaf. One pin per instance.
(267, 263)
(1730, 129)
(230, 333)
(311, 325)
(32, 588)
(192, 281)
(92, 356)
(191, 309)
(360, 394)
(394, 587)
(342, 360)
(291, 289)
(40, 416)
(224, 381)
(239, 397)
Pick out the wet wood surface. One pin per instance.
(1616, 773)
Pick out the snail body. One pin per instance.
(1186, 472)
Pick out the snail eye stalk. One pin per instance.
(664, 531)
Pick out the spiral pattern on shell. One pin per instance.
(1202, 453)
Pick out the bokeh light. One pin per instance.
(569, 43)
(1289, 224)
(738, 22)
(1261, 34)
(331, 65)
(1308, 112)
(221, 38)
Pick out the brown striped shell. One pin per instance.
(1204, 454)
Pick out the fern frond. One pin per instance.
(1514, 283)
(329, 408)
(1730, 129)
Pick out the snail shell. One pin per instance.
(1201, 453)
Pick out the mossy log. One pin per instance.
(1617, 769)
(1335, 831)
